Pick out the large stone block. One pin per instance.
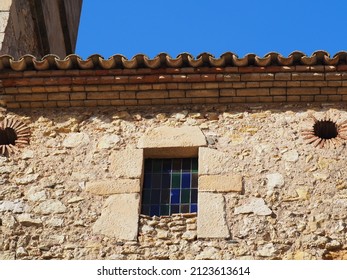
(5, 5)
(168, 137)
(211, 218)
(3, 20)
(221, 183)
(116, 186)
(127, 163)
(120, 216)
(213, 162)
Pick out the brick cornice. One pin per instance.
(131, 87)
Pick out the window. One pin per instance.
(170, 186)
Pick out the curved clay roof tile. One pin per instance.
(263, 61)
(297, 55)
(107, 63)
(64, 64)
(217, 62)
(174, 62)
(244, 61)
(307, 60)
(195, 62)
(152, 63)
(41, 64)
(18, 65)
(163, 60)
(130, 64)
(285, 61)
(342, 57)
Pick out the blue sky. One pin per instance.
(130, 27)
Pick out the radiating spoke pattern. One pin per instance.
(325, 133)
(13, 134)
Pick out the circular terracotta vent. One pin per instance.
(325, 129)
(13, 134)
(326, 133)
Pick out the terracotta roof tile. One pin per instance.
(163, 60)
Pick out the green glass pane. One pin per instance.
(157, 165)
(176, 181)
(194, 165)
(185, 196)
(165, 210)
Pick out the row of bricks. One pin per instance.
(164, 94)
(134, 102)
(181, 86)
(182, 78)
(184, 70)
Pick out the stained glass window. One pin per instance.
(170, 186)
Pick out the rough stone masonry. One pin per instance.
(56, 192)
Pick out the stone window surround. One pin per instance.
(124, 191)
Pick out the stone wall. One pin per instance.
(292, 204)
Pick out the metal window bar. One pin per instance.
(170, 186)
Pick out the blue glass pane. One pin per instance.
(193, 208)
(155, 210)
(186, 180)
(175, 196)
